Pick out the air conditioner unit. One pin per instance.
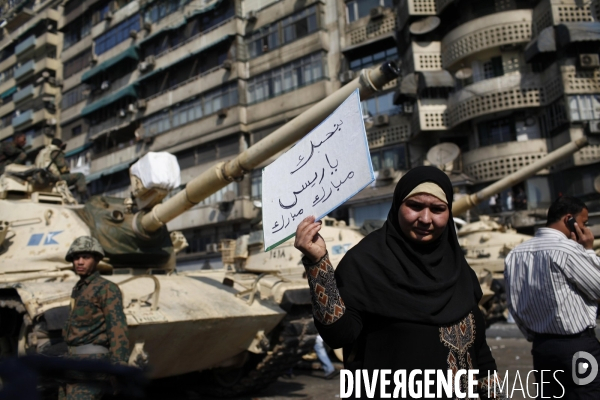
(147, 26)
(94, 59)
(104, 85)
(133, 34)
(58, 82)
(131, 108)
(222, 113)
(227, 64)
(386, 173)
(408, 107)
(589, 60)
(141, 104)
(108, 16)
(51, 121)
(594, 126)
(150, 60)
(252, 15)
(143, 66)
(376, 12)
(381, 119)
(212, 248)
(122, 113)
(347, 76)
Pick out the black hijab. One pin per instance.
(386, 274)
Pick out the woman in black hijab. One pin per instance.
(404, 298)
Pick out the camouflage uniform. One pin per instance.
(96, 318)
(77, 179)
(11, 153)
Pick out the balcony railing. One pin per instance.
(504, 28)
(23, 118)
(25, 69)
(25, 45)
(23, 93)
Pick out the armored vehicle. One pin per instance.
(246, 326)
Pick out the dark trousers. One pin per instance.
(553, 352)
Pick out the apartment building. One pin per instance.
(30, 72)
(206, 79)
(507, 81)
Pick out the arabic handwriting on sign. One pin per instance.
(277, 224)
(296, 215)
(314, 146)
(296, 193)
(350, 176)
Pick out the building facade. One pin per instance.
(507, 81)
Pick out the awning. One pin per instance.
(204, 9)
(571, 32)
(108, 171)
(78, 149)
(430, 79)
(8, 92)
(543, 45)
(129, 54)
(126, 91)
(157, 70)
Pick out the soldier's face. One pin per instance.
(84, 264)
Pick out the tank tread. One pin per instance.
(296, 338)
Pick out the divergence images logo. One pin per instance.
(581, 368)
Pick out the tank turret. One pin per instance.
(242, 329)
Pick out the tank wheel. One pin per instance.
(291, 339)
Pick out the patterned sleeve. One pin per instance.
(328, 306)
(116, 325)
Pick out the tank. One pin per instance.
(242, 327)
(487, 242)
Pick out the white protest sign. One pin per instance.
(323, 170)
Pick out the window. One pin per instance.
(493, 68)
(209, 152)
(256, 182)
(161, 9)
(584, 107)
(382, 104)
(209, 103)
(117, 35)
(74, 96)
(289, 77)
(76, 131)
(77, 63)
(361, 8)
(390, 54)
(282, 32)
(495, 132)
(77, 31)
(378, 212)
(391, 157)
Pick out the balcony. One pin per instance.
(242, 210)
(491, 31)
(494, 162)
(508, 92)
(112, 124)
(397, 131)
(23, 94)
(6, 132)
(25, 70)
(23, 118)
(555, 12)
(25, 45)
(365, 28)
(430, 115)
(117, 157)
(423, 56)
(415, 8)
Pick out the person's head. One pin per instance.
(564, 208)
(20, 140)
(85, 253)
(422, 202)
(59, 143)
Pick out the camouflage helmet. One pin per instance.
(84, 244)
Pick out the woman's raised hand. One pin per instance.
(308, 240)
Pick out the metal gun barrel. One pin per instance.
(220, 175)
(469, 201)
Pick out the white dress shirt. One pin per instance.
(552, 284)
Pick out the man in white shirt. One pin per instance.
(553, 288)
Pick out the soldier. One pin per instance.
(52, 158)
(96, 328)
(12, 152)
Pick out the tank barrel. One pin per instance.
(220, 175)
(467, 202)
